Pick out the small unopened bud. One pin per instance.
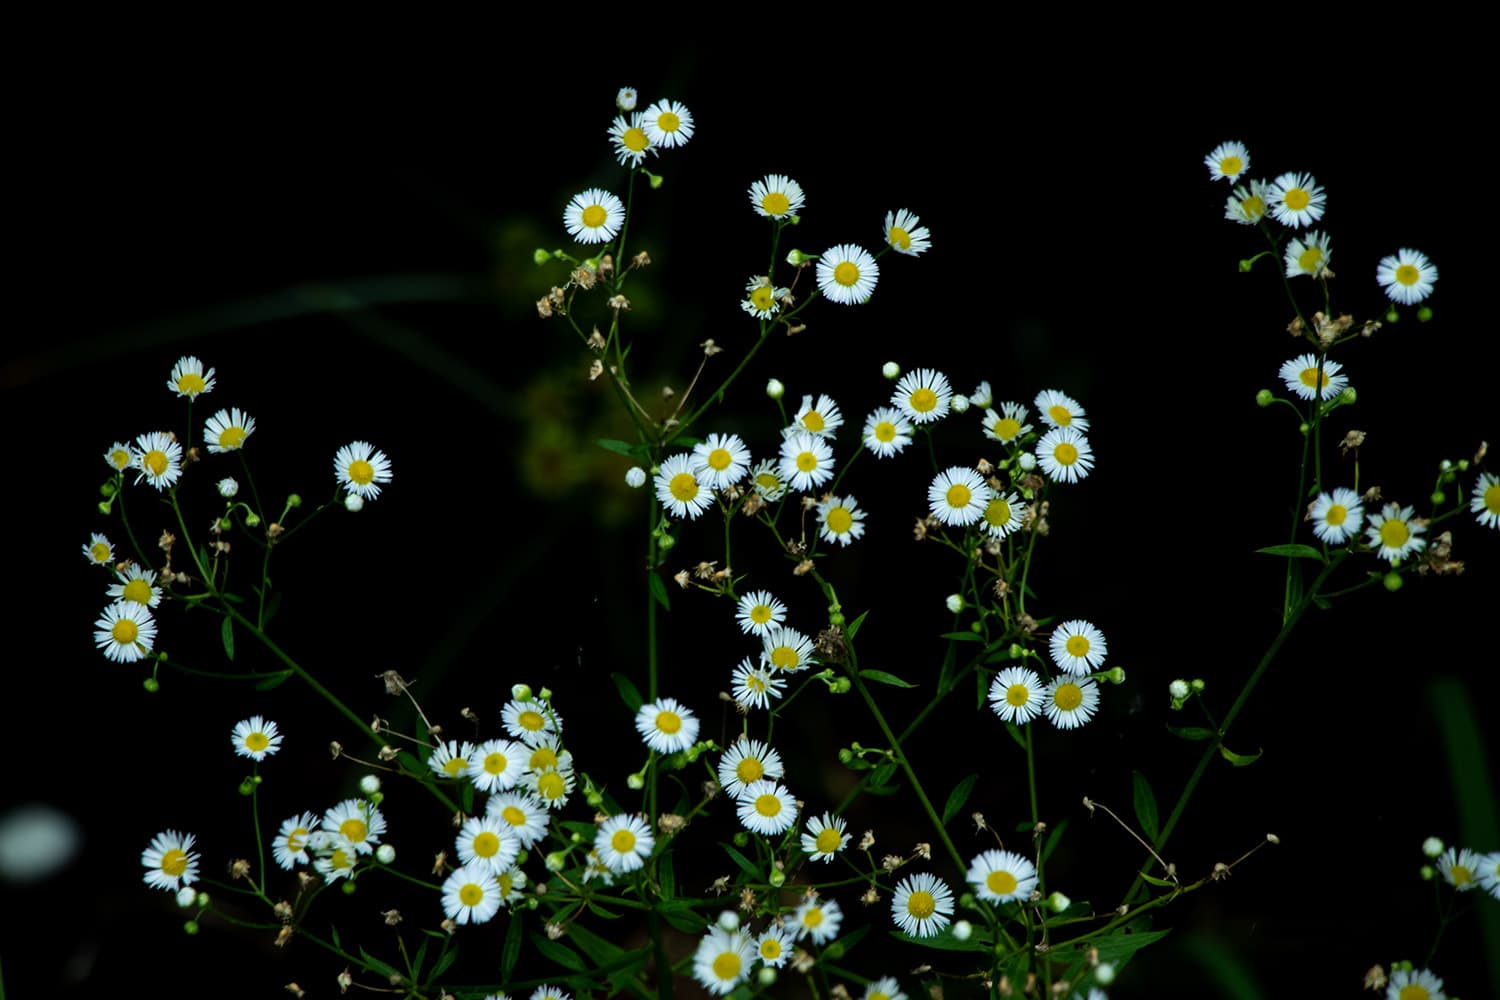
(1424, 314)
(1265, 398)
(962, 929)
(295, 500)
(1426, 872)
(1438, 496)
(187, 896)
(354, 503)
(1027, 461)
(1115, 675)
(555, 861)
(959, 404)
(635, 782)
(1178, 689)
(1104, 973)
(369, 784)
(891, 370)
(729, 920)
(151, 684)
(777, 878)
(775, 389)
(1197, 684)
(345, 980)
(385, 854)
(190, 927)
(1432, 847)
(252, 520)
(955, 603)
(105, 507)
(1392, 581)
(635, 477)
(766, 976)
(1057, 902)
(797, 258)
(1348, 396)
(228, 487)
(841, 686)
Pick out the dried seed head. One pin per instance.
(392, 917)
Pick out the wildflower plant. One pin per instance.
(547, 852)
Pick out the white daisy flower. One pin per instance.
(1407, 276)
(632, 144)
(487, 842)
(1008, 425)
(680, 489)
(922, 905)
(982, 396)
(1336, 517)
(256, 738)
(1459, 868)
(1228, 161)
(1415, 984)
(135, 584)
(335, 856)
(776, 197)
(886, 432)
(594, 216)
(451, 759)
(1078, 647)
(1296, 200)
(170, 861)
(158, 459)
(923, 395)
(625, 98)
(668, 123)
(754, 686)
(884, 988)
(527, 818)
(806, 461)
(818, 919)
(1071, 702)
(227, 430)
(1002, 876)
(746, 762)
(1485, 503)
(666, 726)
(1247, 205)
(624, 843)
(100, 550)
(721, 461)
(290, 846)
(357, 822)
(471, 895)
(1017, 695)
(723, 960)
(1065, 455)
(773, 946)
(1301, 377)
(1489, 873)
(1060, 410)
(762, 299)
(786, 649)
(189, 379)
(904, 233)
(550, 786)
(497, 765)
(824, 419)
(758, 611)
(528, 721)
(825, 837)
(847, 274)
(841, 519)
(126, 632)
(361, 468)
(766, 808)
(118, 457)
(767, 480)
(547, 752)
(958, 496)
(1002, 515)
(1307, 256)
(1395, 531)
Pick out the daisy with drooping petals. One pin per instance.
(158, 459)
(825, 837)
(1414, 984)
(228, 429)
(786, 649)
(1078, 647)
(922, 905)
(1228, 161)
(841, 519)
(1008, 425)
(923, 395)
(290, 845)
(487, 842)
(847, 274)
(1017, 695)
(1302, 377)
(527, 818)
(188, 378)
(668, 123)
(721, 461)
(767, 479)
(451, 759)
(1308, 256)
(822, 419)
(471, 895)
(1247, 205)
(1060, 410)
(758, 611)
(170, 861)
(1407, 276)
(958, 496)
(754, 686)
(100, 550)
(1296, 200)
(357, 822)
(762, 299)
(884, 988)
(776, 197)
(886, 432)
(680, 489)
(256, 738)
(135, 584)
(773, 946)
(1071, 702)
(806, 460)
(723, 960)
(745, 762)
(1459, 868)
(818, 919)
(1002, 515)
(1336, 517)
(361, 468)
(496, 765)
(594, 216)
(529, 721)
(547, 752)
(905, 234)
(1395, 530)
(1002, 876)
(1064, 455)
(766, 807)
(625, 98)
(632, 144)
(666, 726)
(624, 843)
(1485, 502)
(125, 632)
(118, 457)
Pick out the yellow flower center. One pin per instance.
(998, 512)
(119, 458)
(924, 400)
(807, 461)
(513, 816)
(767, 481)
(784, 657)
(1413, 991)
(1407, 275)
(593, 217)
(1296, 199)
(959, 496)
(668, 122)
(1001, 883)
(1068, 697)
(506, 884)
(296, 839)
(471, 894)
(1060, 415)
(1393, 534)
(1077, 645)
(920, 904)
(813, 421)
(684, 487)
(354, 830)
(760, 614)
(1231, 166)
(231, 437)
(531, 721)
(635, 140)
(1461, 876)
(623, 841)
(455, 766)
(768, 805)
(762, 297)
(749, 769)
(486, 845)
(885, 431)
(124, 631)
(541, 758)
(174, 862)
(99, 552)
(155, 462)
(1006, 428)
(137, 590)
(361, 472)
(668, 722)
(496, 763)
(1017, 695)
(840, 520)
(551, 785)
(813, 917)
(256, 742)
(828, 840)
(900, 239)
(1492, 499)
(1065, 454)
(727, 965)
(1310, 259)
(776, 203)
(755, 683)
(1336, 515)
(191, 383)
(770, 949)
(340, 859)
(846, 274)
(1254, 207)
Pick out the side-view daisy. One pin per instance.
(758, 611)
(721, 461)
(847, 274)
(1308, 255)
(361, 468)
(1302, 377)
(817, 919)
(189, 379)
(1002, 876)
(451, 759)
(841, 519)
(680, 489)
(1228, 161)
(776, 197)
(766, 807)
(170, 861)
(905, 234)
(1065, 455)
(1078, 647)
(118, 457)
(1017, 695)
(1008, 425)
(754, 685)
(723, 960)
(886, 432)
(1060, 410)
(1247, 205)
(100, 550)
(1459, 868)
(958, 496)
(923, 395)
(158, 459)
(624, 843)
(135, 584)
(825, 837)
(1395, 530)
(126, 631)
(746, 762)
(471, 895)
(632, 144)
(1296, 200)
(1336, 516)
(786, 649)
(228, 429)
(1407, 276)
(822, 418)
(666, 725)
(256, 738)
(806, 460)
(767, 480)
(290, 846)
(668, 123)
(1071, 701)
(1486, 500)
(922, 905)
(594, 216)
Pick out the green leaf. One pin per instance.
(1145, 806)
(665, 876)
(881, 677)
(964, 636)
(275, 680)
(1119, 946)
(746, 865)
(1166, 883)
(616, 446)
(945, 941)
(1240, 760)
(683, 918)
(226, 632)
(377, 965)
(1193, 733)
(875, 783)
(444, 960)
(559, 953)
(853, 629)
(334, 933)
(1015, 734)
(958, 797)
(1322, 603)
(629, 693)
(1293, 551)
(1052, 841)
(417, 960)
(511, 950)
(658, 591)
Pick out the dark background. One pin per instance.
(353, 257)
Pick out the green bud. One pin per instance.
(841, 686)
(666, 542)
(1433, 847)
(692, 752)
(656, 180)
(1197, 684)
(151, 684)
(766, 976)
(1424, 314)
(1057, 902)
(1438, 496)
(797, 258)
(1265, 398)
(635, 782)
(741, 838)
(1246, 264)
(247, 787)
(837, 618)
(1463, 465)
(225, 524)
(540, 256)
(521, 692)
(845, 755)
(1348, 396)
(545, 694)
(1303, 428)
(962, 930)
(107, 489)
(777, 878)
(252, 519)
(976, 627)
(1115, 675)
(295, 500)
(555, 861)
(349, 887)
(1392, 316)
(1392, 581)
(105, 507)
(1426, 872)
(190, 927)
(891, 370)
(775, 389)
(1017, 651)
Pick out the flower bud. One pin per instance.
(1392, 581)
(295, 500)
(369, 784)
(1348, 396)
(190, 927)
(354, 503)
(841, 686)
(1197, 684)
(775, 389)
(1178, 689)
(959, 404)
(385, 854)
(891, 370)
(151, 684)
(635, 477)
(1438, 496)
(1424, 314)
(187, 896)
(655, 180)
(729, 920)
(252, 519)
(521, 692)
(955, 603)
(540, 256)
(228, 488)
(635, 782)
(797, 258)
(1265, 398)
(766, 976)
(1104, 973)
(962, 929)
(107, 489)
(1027, 461)
(665, 542)
(105, 507)
(555, 861)
(1057, 902)
(1426, 872)
(1432, 847)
